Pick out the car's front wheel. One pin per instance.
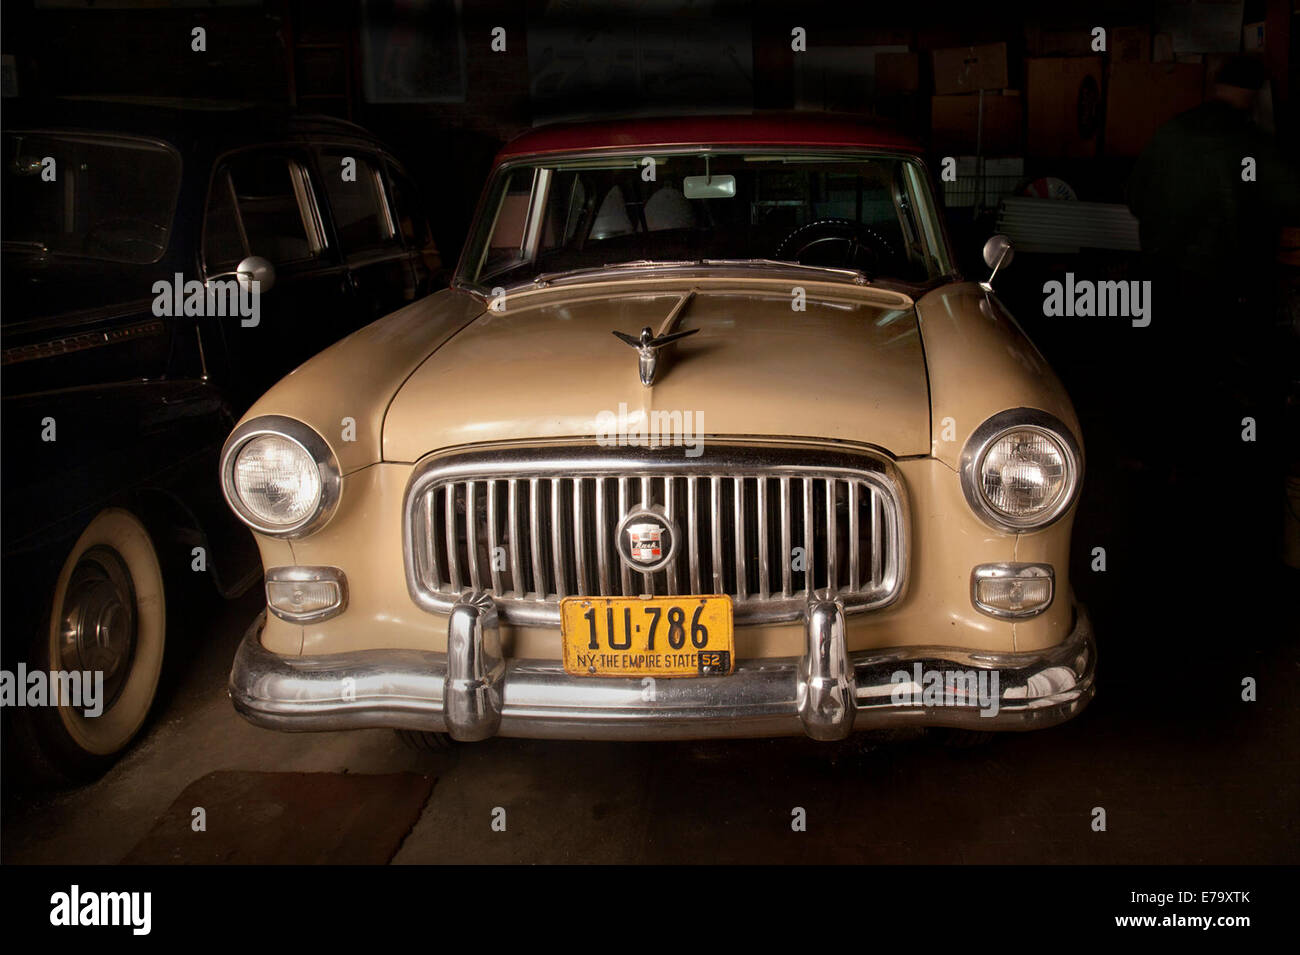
(107, 620)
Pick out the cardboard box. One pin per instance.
(955, 123)
(1143, 97)
(1201, 26)
(1064, 106)
(965, 69)
(937, 33)
(1062, 43)
(898, 73)
(1130, 44)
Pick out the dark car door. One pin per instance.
(411, 213)
(107, 401)
(263, 202)
(381, 270)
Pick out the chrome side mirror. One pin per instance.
(254, 268)
(998, 253)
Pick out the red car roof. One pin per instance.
(781, 129)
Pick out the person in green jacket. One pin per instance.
(1211, 191)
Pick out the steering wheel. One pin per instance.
(126, 232)
(838, 243)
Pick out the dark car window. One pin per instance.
(411, 220)
(361, 214)
(89, 196)
(260, 204)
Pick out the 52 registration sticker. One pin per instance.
(648, 636)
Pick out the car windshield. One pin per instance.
(871, 214)
(89, 196)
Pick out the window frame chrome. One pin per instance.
(304, 193)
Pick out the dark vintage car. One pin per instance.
(120, 386)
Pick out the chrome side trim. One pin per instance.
(983, 437)
(404, 689)
(306, 438)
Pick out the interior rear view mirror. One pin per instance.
(709, 187)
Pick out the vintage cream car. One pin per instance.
(708, 438)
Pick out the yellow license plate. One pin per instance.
(647, 636)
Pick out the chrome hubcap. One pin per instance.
(98, 619)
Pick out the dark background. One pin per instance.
(458, 100)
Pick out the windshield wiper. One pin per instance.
(857, 275)
(546, 277)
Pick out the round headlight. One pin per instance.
(279, 476)
(1020, 469)
(277, 480)
(1023, 474)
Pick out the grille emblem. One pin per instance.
(646, 539)
(645, 542)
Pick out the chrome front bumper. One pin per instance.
(472, 692)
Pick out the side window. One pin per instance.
(260, 204)
(566, 205)
(506, 244)
(361, 214)
(224, 244)
(412, 222)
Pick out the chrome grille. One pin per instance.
(531, 526)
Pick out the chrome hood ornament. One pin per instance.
(647, 349)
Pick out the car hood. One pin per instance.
(849, 366)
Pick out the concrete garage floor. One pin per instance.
(1214, 782)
